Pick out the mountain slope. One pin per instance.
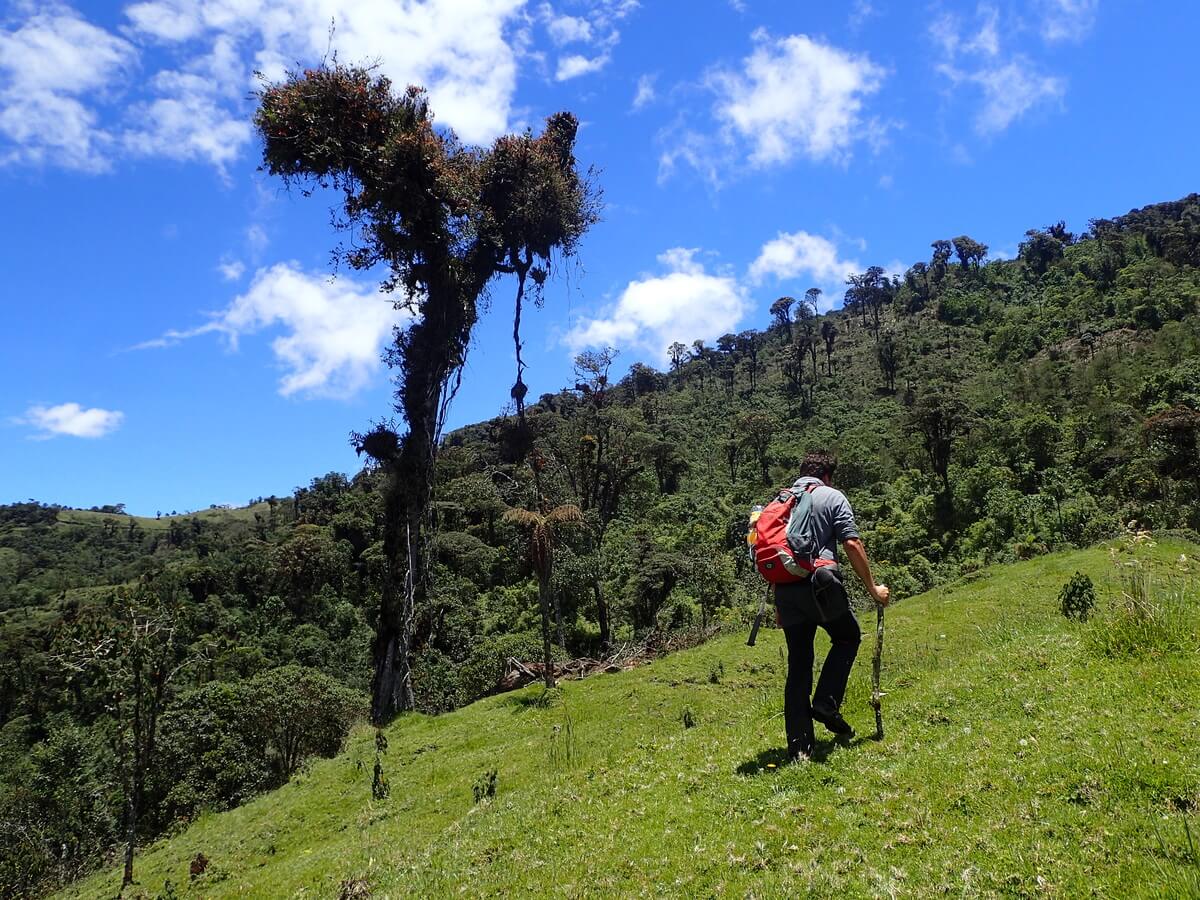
(1019, 758)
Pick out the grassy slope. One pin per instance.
(1015, 763)
(212, 516)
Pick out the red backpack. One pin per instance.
(777, 559)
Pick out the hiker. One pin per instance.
(820, 600)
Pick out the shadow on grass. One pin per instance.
(776, 757)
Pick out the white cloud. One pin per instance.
(60, 75)
(165, 20)
(196, 113)
(795, 96)
(73, 420)
(709, 156)
(565, 29)
(455, 48)
(1068, 20)
(791, 255)
(189, 126)
(1010, 86)
(333, 330)
(232, 271)
(1009, 91)
(50, 65)
(987, 39)
(645, 94)
(598, 31)
(685, 304)
(576, 64)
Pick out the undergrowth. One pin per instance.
(1154, 606)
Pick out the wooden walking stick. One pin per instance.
(876, 693)
(758, 620)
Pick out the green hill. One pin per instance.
(1025, 754)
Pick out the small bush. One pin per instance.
(689, 720)
(485, 786)
(1078, 597)
(380, 787)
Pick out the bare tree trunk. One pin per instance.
(391, 686)
(558, 619)
(602, 614)
(131, 813)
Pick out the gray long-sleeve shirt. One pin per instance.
(832, 515)
(834, 522)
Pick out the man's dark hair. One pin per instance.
(818, 464)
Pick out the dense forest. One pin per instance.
(982, 411)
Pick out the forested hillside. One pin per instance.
(982, 412)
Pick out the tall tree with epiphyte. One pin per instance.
(446, 219)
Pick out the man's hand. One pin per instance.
(858, 559)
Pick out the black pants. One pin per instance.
(831, 686)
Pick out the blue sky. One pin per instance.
(172, 338)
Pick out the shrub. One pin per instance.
(1077, 599)
(484, 787)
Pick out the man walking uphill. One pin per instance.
(820, 600)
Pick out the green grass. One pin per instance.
(149, 523)
(1018, 761)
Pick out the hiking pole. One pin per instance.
(876, 693)
(762, 611)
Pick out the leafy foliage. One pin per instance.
(1077, 599)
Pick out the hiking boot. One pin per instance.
(832, 719)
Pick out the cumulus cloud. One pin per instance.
(577, 64)
(1068, 20)
(789, 256)
(565, 29)
(66, 95)
(195, 113)
(795, 95)
(332, 330)
(685, 304)
(597, 29)
(73, 420)
(456, 48)
(1009, 85)
(51, 65)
